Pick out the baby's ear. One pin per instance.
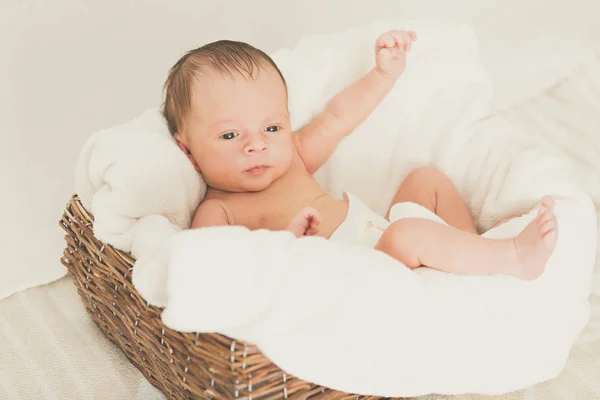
(180, 143)
(183, 147)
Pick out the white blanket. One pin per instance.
(141, 189)
(351, 318)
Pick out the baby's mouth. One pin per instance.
(257, 169)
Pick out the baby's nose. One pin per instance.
(257, 144)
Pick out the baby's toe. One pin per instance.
(548, 202)
(547, 205)
(545, 216)
(549, 225)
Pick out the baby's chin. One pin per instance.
(244, 185)
(252, 182)
(256, 185)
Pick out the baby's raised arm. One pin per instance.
(317, 140)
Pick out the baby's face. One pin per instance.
(239, 132)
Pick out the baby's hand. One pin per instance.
(306, 223)
(390, 52)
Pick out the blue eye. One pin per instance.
(272, 128)
(230, 135)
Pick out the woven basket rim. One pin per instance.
(181, 365)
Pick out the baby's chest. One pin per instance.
(263, 213)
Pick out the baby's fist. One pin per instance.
(305, 223)
(390, 52)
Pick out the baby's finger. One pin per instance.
(311, 232)
(385, 40)
(316, 218)
(311, 214)
(407, 38)
(389, 41)
(413, 35)
(410, 40)
(410, 37)
(399, 41)
(314, 223)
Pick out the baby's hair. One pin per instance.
(224, 56)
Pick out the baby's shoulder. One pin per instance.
(211, 212)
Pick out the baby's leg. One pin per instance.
(433, 190)
(419, 242)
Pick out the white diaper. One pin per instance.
(364, 227)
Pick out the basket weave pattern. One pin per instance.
(181, 365)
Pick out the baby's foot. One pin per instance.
(535, 244)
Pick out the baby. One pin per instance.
(226, 104)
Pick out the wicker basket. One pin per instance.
(181, 365)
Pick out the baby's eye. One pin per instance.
(273, 128)
(229, 135)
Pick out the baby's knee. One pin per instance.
(396, 242)
(425, 174)
(430, 180)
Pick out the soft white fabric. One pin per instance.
(141, 189)
(362, 226)
(529, 45)
(413, 210)
(525, 45)
(367, 324)
(566, 116)
(521, 68)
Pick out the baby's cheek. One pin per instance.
(208, 167)
(288, 154)
(216, 179)
(222, 167)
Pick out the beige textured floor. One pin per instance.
(51, 349)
